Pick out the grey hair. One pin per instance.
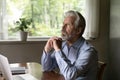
(80, 21)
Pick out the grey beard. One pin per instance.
(67, 37)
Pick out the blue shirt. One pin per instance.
(77, 62)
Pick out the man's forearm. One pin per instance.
(46, 61)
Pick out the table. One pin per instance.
(51, 76)
(35, 69)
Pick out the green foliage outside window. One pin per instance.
(47, 15)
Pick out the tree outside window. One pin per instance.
(47, 15)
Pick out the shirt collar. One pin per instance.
(78, 43)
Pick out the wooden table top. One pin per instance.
(51, 76)
(35, 69)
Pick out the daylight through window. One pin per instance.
(47, 15)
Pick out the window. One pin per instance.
(46, 15)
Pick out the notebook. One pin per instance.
(7, 73)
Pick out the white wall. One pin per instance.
(22, 51)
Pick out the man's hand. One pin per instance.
(49, 45)
(53, 43)
(57, 43)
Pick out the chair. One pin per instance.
(101, 66)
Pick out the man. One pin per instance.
(72, 55)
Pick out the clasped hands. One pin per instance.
(53, 43)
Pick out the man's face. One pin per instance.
(68, 28)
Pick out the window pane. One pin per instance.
(47, 15)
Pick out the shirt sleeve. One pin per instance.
(47, 61)
(80, 67)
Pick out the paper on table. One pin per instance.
(18, 70)
(24, 77)
(5, 67)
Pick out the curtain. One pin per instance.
(3, 23)
(92, 19)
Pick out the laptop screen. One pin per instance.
(5, 68)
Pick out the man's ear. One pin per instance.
(79, 30)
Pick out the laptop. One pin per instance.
(7, 73)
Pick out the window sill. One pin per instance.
(17, 41)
